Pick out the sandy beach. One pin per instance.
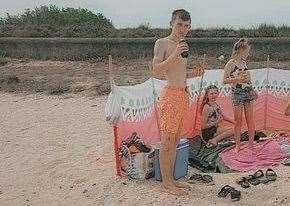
(57, 150)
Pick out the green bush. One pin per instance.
(51, 21)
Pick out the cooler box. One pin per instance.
(181, 163)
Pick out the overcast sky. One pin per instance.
(205, 13)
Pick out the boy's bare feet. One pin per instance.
(182, 184)
(174, 190)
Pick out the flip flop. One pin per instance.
(253, 180)
(286, 162)
(196, 177)
(271, 175)
(256, 178)
(225, 190)
(207, 178)
(243, 182)
(258, 174)
(201, 178)
(235, 195)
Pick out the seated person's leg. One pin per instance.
(222, 133)
(208, 133)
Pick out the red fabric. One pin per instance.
(116, 149)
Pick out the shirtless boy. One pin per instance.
(174, 101)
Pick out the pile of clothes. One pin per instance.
(136, 158)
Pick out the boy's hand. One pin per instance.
(181, 47)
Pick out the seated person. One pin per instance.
(211, 117)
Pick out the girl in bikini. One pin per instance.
(243, 94)
(212, 115)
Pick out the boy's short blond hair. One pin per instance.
(182, 14)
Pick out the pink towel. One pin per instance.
(264, 154)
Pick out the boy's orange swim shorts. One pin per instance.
(173, 105)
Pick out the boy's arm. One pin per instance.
(196, 72)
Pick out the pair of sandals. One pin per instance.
(227, 189)
(200, 178)
(257, 178)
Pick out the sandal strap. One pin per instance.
(258, 174)
(207, 178)
(225, 190)
(235, 194)
(195, 176)
(270, 172)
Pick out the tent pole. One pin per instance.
(111, 74)
(267, 93)
(199, 92)
(115, 128)
(154, 92)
